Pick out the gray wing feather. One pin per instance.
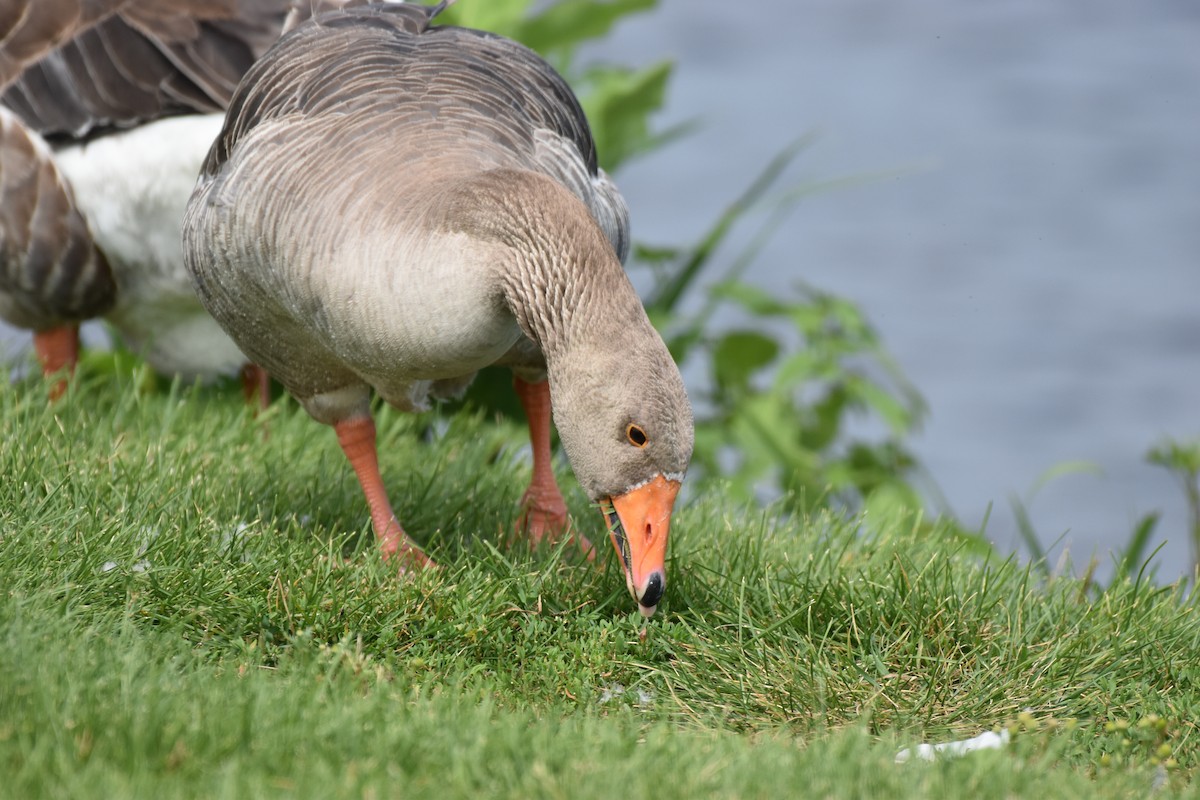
(72, 66)
(50, 271)
(69, 68)
(559, 157)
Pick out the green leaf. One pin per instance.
(755, 300)
(505, 17)
(1063, 469)
(888, 503)
(1132, 555)
(668, 294)
(768, 425)
(567, 24)
(797, 369)
(1178, 456)
(899, 417)
(618, 102)
(649, 254)
(738, 355)
(826, 420)
(809, 319)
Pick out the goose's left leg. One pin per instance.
(544, 513)
(57, 351)
(256, 386)
(356, 435)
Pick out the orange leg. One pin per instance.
(57, 349)
(544, 513)
(256, 386)
(357, 438)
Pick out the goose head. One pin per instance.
(625, 423)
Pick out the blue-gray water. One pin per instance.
(1037, 275)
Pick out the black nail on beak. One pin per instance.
(654, 591)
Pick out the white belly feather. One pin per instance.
(133, 188)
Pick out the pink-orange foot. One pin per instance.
(543, 514)
(357, 438)
(57, 351)
(543, 511)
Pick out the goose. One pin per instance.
(108, 109)
(393, 205)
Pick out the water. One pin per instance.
(1037, 274)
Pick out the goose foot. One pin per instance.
(356, 435)
(538, 523)
(57, 350)
(544, 513)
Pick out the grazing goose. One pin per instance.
(108, 109)
(393, 206)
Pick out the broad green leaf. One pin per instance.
(888, 503)
(740, 354)
(899, 417)
(757, 301)
(505, 17)
(649, 254)
(809, 319)
(1176, 455)
(772, 423)
(565, 25)
(797, 369)
(618, 102)
(825, 422)
(669, 293)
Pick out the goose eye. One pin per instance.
(637, 437)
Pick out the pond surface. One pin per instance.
(1036, 273)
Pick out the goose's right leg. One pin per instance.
(543, 510)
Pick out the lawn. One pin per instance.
(191, 606)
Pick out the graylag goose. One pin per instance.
(108, 109)
(393, 206)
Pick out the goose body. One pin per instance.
(393, 206)
(108, 109)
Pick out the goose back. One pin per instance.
(383, 80)
(69, 68)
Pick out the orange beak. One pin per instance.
(638, 524)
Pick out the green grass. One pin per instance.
(190, 605)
